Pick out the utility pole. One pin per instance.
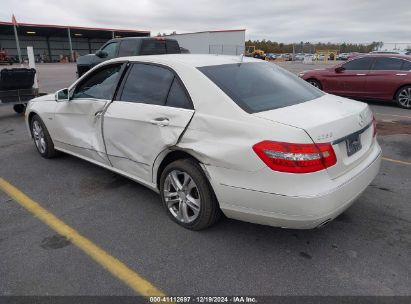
(71, 46)
(14, 21)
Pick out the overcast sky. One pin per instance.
(277, 20)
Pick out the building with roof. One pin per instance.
(53, 43)
(60, 43)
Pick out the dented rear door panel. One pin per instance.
(136, 133)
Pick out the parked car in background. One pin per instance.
(216, 133)
(342, 56)
(299, 56)
(123, 47)
(271, 56)
(384, 77)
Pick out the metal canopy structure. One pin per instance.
(55, 41)
(6, 28)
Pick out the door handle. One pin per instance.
(160, 121)
(400, 74)
(361, 74)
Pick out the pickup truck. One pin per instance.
(122, 47)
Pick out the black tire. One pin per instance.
(403, 97)
(209, 211)
(19, 108)
(49, 151)
(315, 83)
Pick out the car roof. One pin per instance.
(192, 60)
(387, 55)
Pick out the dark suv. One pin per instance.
(122, 47)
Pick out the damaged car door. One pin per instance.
(149, 114)
(78, 120)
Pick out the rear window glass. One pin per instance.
(363, 63)
(172, 47)
(177, 97)
(128, 47)
(153, 47)
(406, 66)
(387, 64)
(257, 87)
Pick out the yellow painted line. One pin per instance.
(110, 263)
(397, 161)
(394, 115)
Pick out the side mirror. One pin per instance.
(101, 54)
(339, 69)
(62, 95)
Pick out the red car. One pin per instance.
(384, 77)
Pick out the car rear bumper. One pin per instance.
(297, 212)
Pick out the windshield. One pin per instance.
(257, 87)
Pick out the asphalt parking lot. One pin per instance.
(365, 251)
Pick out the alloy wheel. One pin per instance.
(182, 196)
(404, 97)
(314, 83)
(39, 138)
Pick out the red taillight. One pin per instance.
(295, 158)
(374, 126)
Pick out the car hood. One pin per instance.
(43, 98)
(87, 59)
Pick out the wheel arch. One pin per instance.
(171, 156)
(399, 89)
(29, 119)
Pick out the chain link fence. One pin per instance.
(226, 49)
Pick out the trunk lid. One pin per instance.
(331, 119)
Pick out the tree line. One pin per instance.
(308, 47)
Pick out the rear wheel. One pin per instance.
(403, 97)
(187, 195)
(42, 138)
(315, 83)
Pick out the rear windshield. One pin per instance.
(159, 47)
(257, 87)
(153, 47)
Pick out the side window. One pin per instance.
(172, 47)
(100, 85)
(153, 47)
(386, 64)
(177, 97)
(110, 49)
(128, 47)
(363, 63)
(147, 84)
(406, 66)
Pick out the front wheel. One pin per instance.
(403, 97)
(42, 138)
(315, 83)
(187, 195)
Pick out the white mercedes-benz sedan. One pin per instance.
(216, 134)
